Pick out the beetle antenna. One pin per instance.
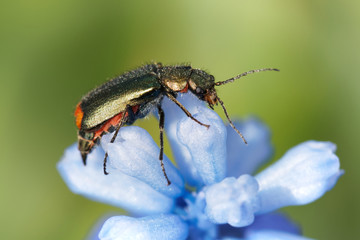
(231, 123)
(244, 74)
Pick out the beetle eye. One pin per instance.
(198, 90)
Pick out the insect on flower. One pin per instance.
(134, 94)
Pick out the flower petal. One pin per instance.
(200, 152)
(135, 153)
(275, 222)
(94, 232)
(192, 211)
(271, 221)
(246, 159)
(301, 176)
(166, 227)
(274, 235)
(116, 189)
(232, 201)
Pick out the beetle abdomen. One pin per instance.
(111, 98)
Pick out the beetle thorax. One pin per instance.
(175, 78)
(175, 84)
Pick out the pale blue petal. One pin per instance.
(301, 176)
(159, 227)
(231, 238)
(116, 189)
(135, 153)
(274, 235)
(173, 114)
(206, 146)
(94, 232)
(199, 225)
(246, 159)
(232, 201)
(273, 221)
(200, 152)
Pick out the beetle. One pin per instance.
(135, 94)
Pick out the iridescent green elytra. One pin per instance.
(133, 95)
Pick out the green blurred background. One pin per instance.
(53, 52)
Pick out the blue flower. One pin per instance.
(215, 191)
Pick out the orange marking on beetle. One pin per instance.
(79, 114)
(135, 108)
(185, 89)
(114, 121)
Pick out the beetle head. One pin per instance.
(202, 85)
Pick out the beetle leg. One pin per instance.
(172, 98)
(130, 114)
(123, 117)
(104, 165)
(161, 155)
